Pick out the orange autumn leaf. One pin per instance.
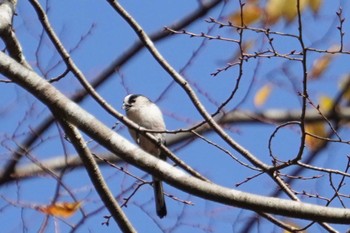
(262, 94)
(62, 209)
(251, 14)
(246, 45)
(320, 65)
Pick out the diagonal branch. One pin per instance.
(202, 10)
(112, 141)
(96, 177)
(184, 84)
(270, 116)
(7, 34)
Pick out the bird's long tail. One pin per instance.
(159, 197)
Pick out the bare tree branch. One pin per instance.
(70, 111)
(184, 84)
(236, 117)
(101, 78)
(7, 11)
(96, 177)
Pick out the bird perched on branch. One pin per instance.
(146, 114)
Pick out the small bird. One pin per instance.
(145, 113)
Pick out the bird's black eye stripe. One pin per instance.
(132, 98)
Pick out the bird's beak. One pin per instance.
(126, 106)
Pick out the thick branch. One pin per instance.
(112, 141)
(7, 11)
(234, 117)
(97, 178)
(185, 86)
(99, 80)
(54, 164)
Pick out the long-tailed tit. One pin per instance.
(145, 113)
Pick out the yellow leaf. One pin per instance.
(320, 65)
(326, 103)
(318, 129)
(251, 14)
(62, 209)
(290, 10)
(273, 10)
(315, 5)
(262, 94)
(276, 9)
(344, 82)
